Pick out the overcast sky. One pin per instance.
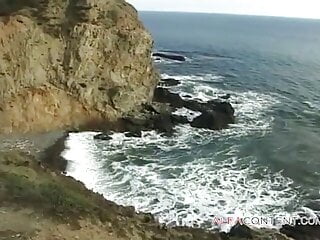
(285, 8)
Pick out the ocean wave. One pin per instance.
(195, 78)
(252, 110)
(187, 113)
(312, 105)
(197, 174)
(180, 193)
(164, 61)
(198, 54)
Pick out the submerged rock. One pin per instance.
(163, 95)
(69, 63)
(169, 82)
(226, 97)
(170, 56)
(163, 123)
(178, 119)
(213, 120)
(303, 230)
(136, 134)
(103, 136)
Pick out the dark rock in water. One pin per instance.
(136, 134)
(103, 136)
(314, 205)
(177, 119)
(151, 109)
(223, 107)
(241, 231)
(169, 56)
(169, 82)
(163, 95)
(211, 120)
(226, 97)
(164, 124)
(187, 96)
(215, 115)
(301, 231)
(197, 106)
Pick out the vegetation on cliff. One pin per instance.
(39, 204)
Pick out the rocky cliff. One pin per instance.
(69, 63)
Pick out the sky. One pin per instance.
(283, 8)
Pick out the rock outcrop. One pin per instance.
(66, 63)
(170, 56)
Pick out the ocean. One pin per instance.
(265, 165)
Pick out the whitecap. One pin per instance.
(187, 193)
(195, 78)
(174, 179)
(187, 113)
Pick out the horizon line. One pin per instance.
(236, 14)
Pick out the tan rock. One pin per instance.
(67, 63)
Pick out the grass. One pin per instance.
(54, 195)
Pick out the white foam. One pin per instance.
(202, 77)
(170, 61)
(178, 192)
(163, 61)
(252, 109)
(187, 113)
(173, 178)
(313, 107)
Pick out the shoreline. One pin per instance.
(53, 165)
(59, 72)
(54, 197)
(26, 168)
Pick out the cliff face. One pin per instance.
(70, 62)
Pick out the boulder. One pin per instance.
(211, 120)
(226, 97)
(163, 123)
(302, 231)
(136, 134)
(177, 119)
(240, 231)
(169, 82)
(163, 95)
(103, 137)
(216, 115)
(169, 56)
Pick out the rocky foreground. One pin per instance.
(39, 204)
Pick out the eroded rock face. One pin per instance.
(65, 63)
